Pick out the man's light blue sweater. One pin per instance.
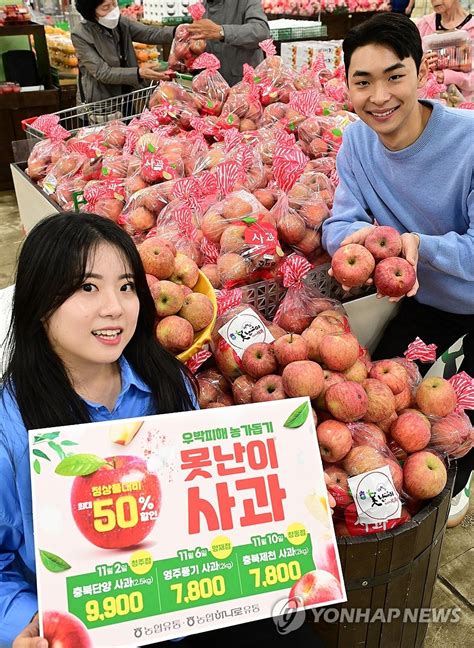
(426, 188)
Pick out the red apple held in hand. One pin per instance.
(352, 265)
(303, 378)
(259, 360)
(424, 475)
(289, 348)
(411, 431)
(268, 388)
(334, 439)
(435, 396)
(64, 630)
(381, 403)
(347, 401)
(116, 521)
(393, 374)
(394, 277)
(383, 242)
(339, 351)
(314, 587)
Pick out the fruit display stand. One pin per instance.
(33, 204)
(394, 569)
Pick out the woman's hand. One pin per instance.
(149, 71)
(29, 637)
(332, 501)
(439, 74)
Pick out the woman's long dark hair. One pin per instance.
(51, 267)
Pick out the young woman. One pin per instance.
(81, 348)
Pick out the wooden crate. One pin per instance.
(394, 569)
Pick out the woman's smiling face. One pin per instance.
(95, 324)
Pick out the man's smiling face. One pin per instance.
(383, 91)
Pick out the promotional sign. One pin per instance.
(152, 529)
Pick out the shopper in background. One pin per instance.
(449, 15)
(233, 29)
(82, 348)
(108, 66)
(392, 167)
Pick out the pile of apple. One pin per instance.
(368, 414)
(378, 259)
(182, 314)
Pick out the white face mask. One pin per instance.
(111, 19)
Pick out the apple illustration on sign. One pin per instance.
(318, 586)
(119, 519)
(63, 630)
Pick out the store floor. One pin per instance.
(454, 587)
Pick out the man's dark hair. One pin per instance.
(87, 8)
(392, 30)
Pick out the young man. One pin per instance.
(409, 164)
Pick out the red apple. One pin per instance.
(330, 378)
(289, 348)
(303, 378)
(411, 430)
(117, 520)
(339, 351)
(175, 333)
(242, 389)
(381, 401)
(157, 258)
(363, 458)
(347, 401)
(393, 374)
(185, 271)
(198, 310)
(452, 435)
(404, 399)
(334, 439)
(424, 475)
(168, 297)
(64, 630)
(259, 360)
(338, 486)
(352, 265)
(268, 388)
(383, 242)
(227, 360)
(317, 586)
(357, 372)
(435, 396)
(394, 277)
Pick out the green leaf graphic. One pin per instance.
(249, 220)
(68, 443)
(47, 436)
(298, 417)
(79, 465)
(37, 466)
(40, 453)
(57, 448)
(53, 563)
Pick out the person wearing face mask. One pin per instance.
(233, 29)
(104, 44)
(448, 15)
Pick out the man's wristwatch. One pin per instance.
(221, 34)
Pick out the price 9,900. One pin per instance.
(112, 606)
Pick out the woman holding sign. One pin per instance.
(82, 349)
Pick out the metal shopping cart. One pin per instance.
(123, 108)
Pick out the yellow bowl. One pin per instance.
(201, 338)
